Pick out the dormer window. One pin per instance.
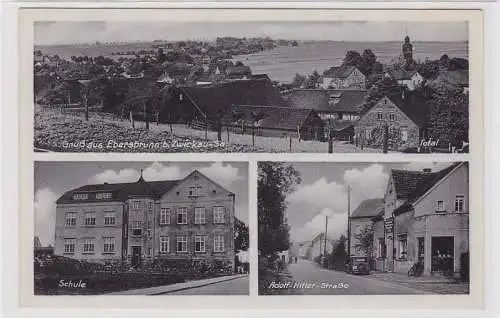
(103, 196)
(80, 196)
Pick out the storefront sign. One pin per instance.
(389, 225)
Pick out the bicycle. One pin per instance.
(416, 269)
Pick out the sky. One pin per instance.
(52, 179)
(65, 32)
(323, 192)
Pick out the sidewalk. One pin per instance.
(177, 287)
(434, 284)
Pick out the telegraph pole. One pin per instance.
(349, 222)
(326, 232)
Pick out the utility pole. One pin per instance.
(349, 222)
(324, 249)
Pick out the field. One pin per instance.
(69, 132)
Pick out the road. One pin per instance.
(238, 286)
(309, 278)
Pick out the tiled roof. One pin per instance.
(221, 96)
(411, 185)
(457, 77)
(341, 72)
(348, 100)
(369, 208)
(270, 116)
(413, 106)
(120, 191)
(399, 75)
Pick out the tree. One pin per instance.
(275, 181)
(298, 80)
(449, 116)
(386, 86)
(241, 236)
(352, 58)
(364, 240)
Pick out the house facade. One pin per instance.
(317, 247)
(409, 79)
(402, 118)
(361, 223)
(426, 219)
(342, 77)
(139, 224)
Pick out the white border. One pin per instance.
(11, 160)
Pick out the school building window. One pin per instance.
(137, 228)
(182, 244)
(103, 196)
(164, 244)
(380, 116)
(199, 244)
(136, 205)
(80, 196)
(89, 219)
(199, 215)
(164, 216)
(70, 218)
(109, 244)
(109, 218)
(219, 212)
(88, 245)
(219, 243)
(181, 215)
(69, 245)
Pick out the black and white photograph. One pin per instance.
(336, 86)
(141, 228)
(365, 228)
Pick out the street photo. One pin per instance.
(366, 228)
(337, 86)
(141, 228)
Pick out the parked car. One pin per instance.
(358, 265)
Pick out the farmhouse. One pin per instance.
(189, 103)
(426, 217)
(409, 79)
(339, 108)
(145, 222)
(275, 121)
(342, 77)
(403, 117)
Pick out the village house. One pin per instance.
(339, 108)
(342, 77)
(426, 219)
(274, 121)
(317, 247)
(139, 223)
(455, 78)
(197, 102)
(408, 79)
(403, 117)
(361, 223)
(238, 72)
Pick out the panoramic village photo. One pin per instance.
(363, 228)
(317, 87)
(141, 228)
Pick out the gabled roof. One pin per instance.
(341, 72)
(328, 100)
(411, 185)
(413, 106)
(238, 70)
(457, 77)
(269, 116)
(369, 208)
(400, 75)
(221, 96)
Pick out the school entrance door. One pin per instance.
(136, 256)
(443, 255)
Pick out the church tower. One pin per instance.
(408, 50)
